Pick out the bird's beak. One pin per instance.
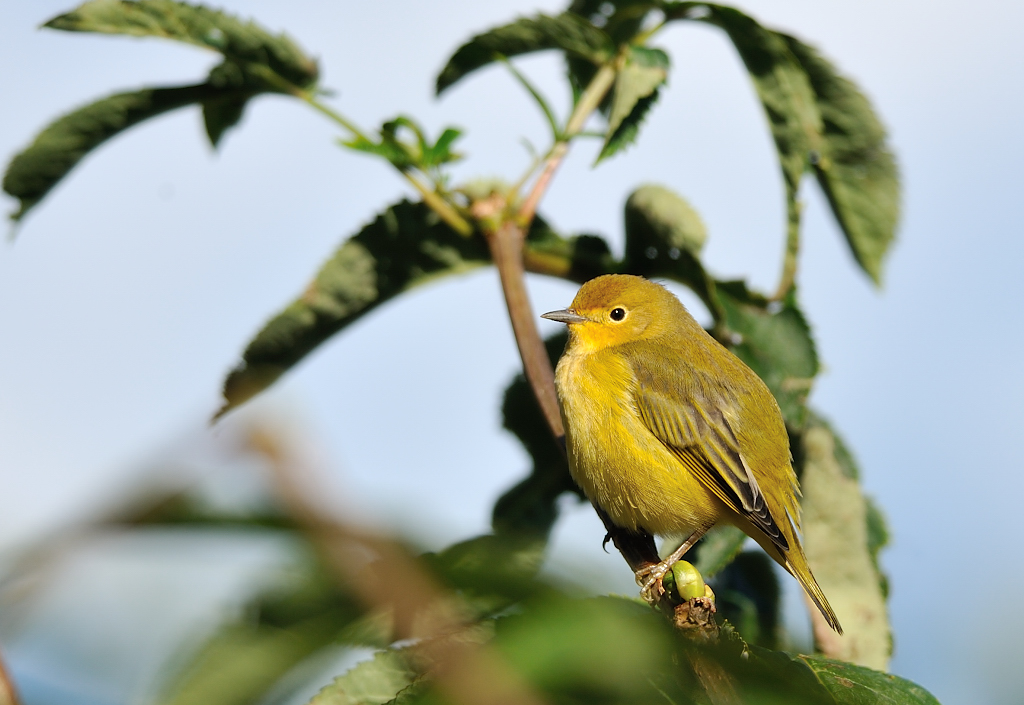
(566, 315)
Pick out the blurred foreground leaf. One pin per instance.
(405, 246)
(372, 682)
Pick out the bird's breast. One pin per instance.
(620, 465)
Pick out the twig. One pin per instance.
(8, 695)
(506, 243)
(506, 246)
(588, 102)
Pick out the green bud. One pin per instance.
(687, 580)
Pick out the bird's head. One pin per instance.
(620, 308)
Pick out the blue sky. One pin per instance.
(133, 288)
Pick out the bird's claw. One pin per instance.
(650, 580)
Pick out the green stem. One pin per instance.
(434, 200)
(440, 206)
(545, 108)
(585, 107)
(789, 259)
(333, 115)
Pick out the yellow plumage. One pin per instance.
(669, 432)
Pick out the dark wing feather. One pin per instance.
(695, 427)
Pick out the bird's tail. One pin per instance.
(796, 564)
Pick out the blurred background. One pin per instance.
(132, 290)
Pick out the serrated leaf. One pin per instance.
(784, 91)
(568, 32)
(405, 246)
(855, 685)
(856, 168)
(224, 112)
(838, 546)
(775, 343)
(65, 141)
(781, 84)
(372, 682)
(635, 91)
(243, 42)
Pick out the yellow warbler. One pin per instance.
(670, 433)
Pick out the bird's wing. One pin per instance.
(697, 430)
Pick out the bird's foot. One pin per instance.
(650, 579)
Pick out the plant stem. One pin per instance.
(434, 200)
(789, 259)
(588, 102)
(333, 115)
(506, 246)
(440, 206)
(422, 611)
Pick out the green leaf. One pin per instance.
(775, 341)
(635, 91)
(491, 572)
(64, 142)
(856, 168)
(839, 549)
(578, 258)
(373, 682)
(568, 32)
(781, 84)
(660, 224)
(602, 650)
(224, 112)
(241, 664)
(441, 152)
(240, 41)
(403, 154)
(718, 548)
(405, 246)
(785, 93)
(747, 594)
(854, 685)
(221, 114)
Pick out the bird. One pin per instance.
(669, 433)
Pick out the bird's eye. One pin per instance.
(618, 314)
